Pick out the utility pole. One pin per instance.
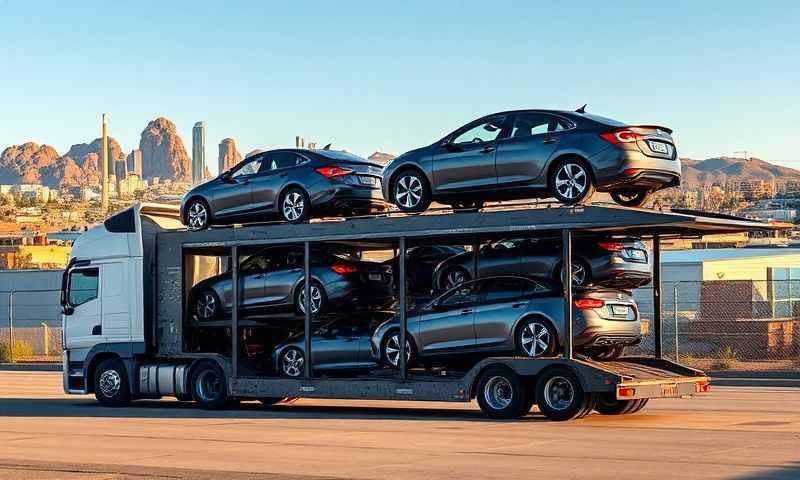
(104, 168)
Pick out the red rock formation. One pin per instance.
(163, 153)
(228, 154)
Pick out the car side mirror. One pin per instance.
(67, 310)
(438, 307)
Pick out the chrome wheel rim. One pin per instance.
(293, 206)
(571, 181)
(206, 305)
(408, 191)
(209, 386)
(316, 299)
(110, 383)
(498, 393)
(393, 349)
(559, 393)
(535, 339)
(198, 216)
(578, 274)
(454, 278)
(292, 363)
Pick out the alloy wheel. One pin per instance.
(316, 299)
(392, 350)
(498, 392)
(535, 339)
(110, 383)
(454, 278)
(571, 180)
(559, 393)
(293, 206)
(578, 273)
(206, 305)
(408, 191)
(292, 363)
(198, 216)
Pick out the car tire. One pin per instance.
(535, 337)
(111, 388)
(452, 277)
(390, 355)
(577, 174)
(607, 354)
(294, 205)
(631, 199)
(209, 386)
(411, 191)
(318, 297)
(198, 215)
(206, 305)
(560, 396)
(608, 405)
(502, 394)
(580, 270)
(292, 362)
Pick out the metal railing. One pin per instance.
(30, 326)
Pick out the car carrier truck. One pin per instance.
(130, 333)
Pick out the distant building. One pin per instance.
(135, 162)
(120, 168)
(792, 189)
(754, 189)
(198, 151)
(778, 214)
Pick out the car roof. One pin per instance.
(566, 113)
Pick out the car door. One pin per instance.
(335, 346)
(285, 268)
(253, 280)
(233, 196)
(500, 304)
(272, 175)
(465, 161)
(83, 310)
(521, 158)
(448, 324)
(538, 257)
(500, 258)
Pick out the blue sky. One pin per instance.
(391, 76)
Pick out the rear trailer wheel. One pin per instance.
(609, 405)
(571, 181)
(560, 396)
(502, 394)
(209, 386)
(111, 383)
(635, 198)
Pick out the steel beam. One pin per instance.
(307, 367)
(657, 321)
(402, 310)
(566, 280)
(235, 313)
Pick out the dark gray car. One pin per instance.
(512, 314)
(614, 262)
(535, 153)
(288, 184)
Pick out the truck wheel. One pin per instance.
(560, 395)
(209, 386)
(111, 383)
(502, 394)
(608, 405)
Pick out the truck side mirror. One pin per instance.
(67, 310)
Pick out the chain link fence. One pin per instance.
(30, 326)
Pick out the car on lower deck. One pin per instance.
(512, 315)
(567, 155)
(621, 262)
(288, 184)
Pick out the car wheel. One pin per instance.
(390, 351)
(535, 338)
(206, 305)
(502, 394)
(411, 192)
(295, 205)
(560, 396)
(319, 299)
(634, 198)
(608, 353)
(581, 274)
(608, 405)
(209, 386)
(453, 277)
(111, 383)
(292, 362)
(571, 181)
(198, 215)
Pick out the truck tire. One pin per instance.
(560, 395)
(608, 405)
(209, 386)
(502, 394)
(111, 386)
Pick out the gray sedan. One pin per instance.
(510, 314)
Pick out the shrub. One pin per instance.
(20, 350)
(726, 358)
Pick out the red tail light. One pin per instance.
(589, 303)
(334, 171)
(623, 392)
(631, 171)
(620, 136)
(344, 269)
(611, 246)
(702, 387)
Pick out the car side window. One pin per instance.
(532, 287)
(251, 167)
(529, 124)
(83, 285)
(466, 294)
(486, 131)
(255, 263)
(281, 160)
(501, 289)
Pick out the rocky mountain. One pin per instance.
(725, 169)
(65, 173)
(381, 158)
(228, 154)
(21, 163)
(163, 153)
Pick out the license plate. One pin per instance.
(669, 390)
(377, 277)
(659, 147)
(367, 180)
(619, 310)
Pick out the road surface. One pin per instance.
(735, 432)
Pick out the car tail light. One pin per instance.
(620, 136)
(623, 392)
(589, 303)
(611, 246)
(631, 171)
(344, 269)
(334, 171)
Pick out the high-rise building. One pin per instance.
(198, 151)
(120, 168)
(135, 162)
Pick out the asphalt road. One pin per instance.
(735, 432)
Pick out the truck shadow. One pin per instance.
(59, 407)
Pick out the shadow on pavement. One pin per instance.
(788, 472)
(58, 407)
